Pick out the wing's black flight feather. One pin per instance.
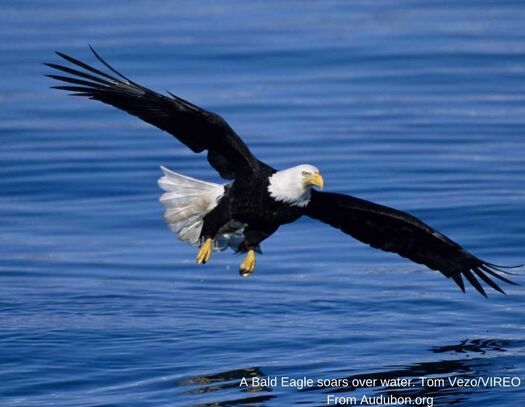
(195, 127)
(394, 231)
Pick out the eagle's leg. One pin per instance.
(212, 222)
(248, 264)
(205, 251)
(252, 239)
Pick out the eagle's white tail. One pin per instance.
(187, 201)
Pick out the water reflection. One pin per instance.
(246, 401)
(226, 382)
(446, 394)
(477, 346)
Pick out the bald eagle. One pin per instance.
(259, 199)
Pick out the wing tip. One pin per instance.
(504, 269)
(487, 268)
(62, 55)
(459, 281)
(483, 271)
(474, 282)
(107, 65)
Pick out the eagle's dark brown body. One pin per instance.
(247, 201)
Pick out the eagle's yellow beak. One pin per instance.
(314, 179)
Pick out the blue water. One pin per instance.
(418, 105)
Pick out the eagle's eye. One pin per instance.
(305, 174)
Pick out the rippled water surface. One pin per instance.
(414, 104)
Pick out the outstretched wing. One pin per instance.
(394, 231)
(195, 127)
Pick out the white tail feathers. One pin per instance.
(187, 201)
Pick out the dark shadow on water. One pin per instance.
(479, 358)
(481, 346)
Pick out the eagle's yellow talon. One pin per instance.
(248, 264)
(205, 251)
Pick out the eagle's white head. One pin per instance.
(293, 184)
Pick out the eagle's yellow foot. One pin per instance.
(248, 264)
(205, 251)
